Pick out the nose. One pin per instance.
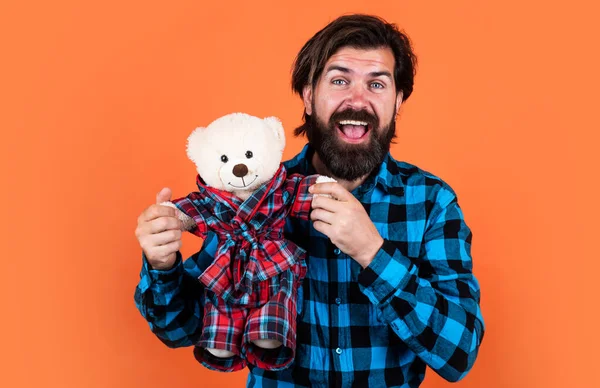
(357, 98)
(240, 170)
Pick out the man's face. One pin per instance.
(352, 111)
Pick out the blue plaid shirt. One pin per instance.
(415, 305)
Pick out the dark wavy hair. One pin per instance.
(358, 31)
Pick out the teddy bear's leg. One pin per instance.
(267, 343)
(220, 353)
(188, 222)
(219, 347)
(273, 324)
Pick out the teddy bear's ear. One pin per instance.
(194, 142)
(275, 124)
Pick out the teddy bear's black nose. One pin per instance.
(240, 170)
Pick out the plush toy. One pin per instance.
(244, 196)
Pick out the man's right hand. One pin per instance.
(159, 232)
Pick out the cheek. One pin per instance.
(328, 102)
(224, 176)
(257, 165)
(384, 107)
(266, 167)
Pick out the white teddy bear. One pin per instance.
(244, 196)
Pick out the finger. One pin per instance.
(167, 249)
(157, 211)
(164, 238)
(329, 204)
(323, 227)
(161, 224)
(322, 215)
(334, 189)
(163, 195)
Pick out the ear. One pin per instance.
(275, 124)
(307, 99)
(399, 101)
(194, 142)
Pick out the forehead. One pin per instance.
(377, 59)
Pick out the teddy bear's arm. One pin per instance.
(301, 205)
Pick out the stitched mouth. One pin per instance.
(244, 183)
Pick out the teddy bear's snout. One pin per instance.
(240, 170)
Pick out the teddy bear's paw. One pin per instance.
(324, 179)
(188, 222)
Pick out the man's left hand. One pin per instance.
(344, 220)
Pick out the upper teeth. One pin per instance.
(352, 122)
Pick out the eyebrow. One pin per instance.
(346, 70)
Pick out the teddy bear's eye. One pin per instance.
(248, 154)
(224, 158)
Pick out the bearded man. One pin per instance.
(389, 289)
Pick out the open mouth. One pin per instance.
(243, 183)
(353, 131)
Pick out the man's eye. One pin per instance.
(338, 82)
(377, 85)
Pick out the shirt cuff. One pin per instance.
(161, 278)
(388, 273)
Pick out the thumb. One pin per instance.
(163, 195)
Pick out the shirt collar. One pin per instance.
(247, 208)
(387, 176)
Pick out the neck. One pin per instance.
(242, 194)
(323, 170)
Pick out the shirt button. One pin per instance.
(338, 300)
(338, 351)
(337, 251)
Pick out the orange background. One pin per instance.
(97, 101)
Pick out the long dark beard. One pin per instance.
(350, 161)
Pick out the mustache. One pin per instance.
(356, 115)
